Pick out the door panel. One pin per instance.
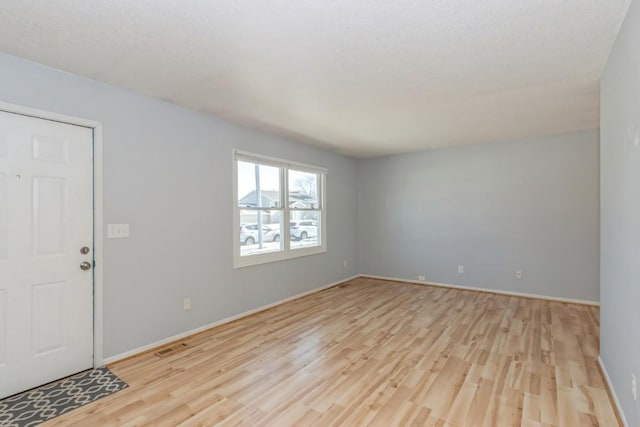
(46, 216)
(3, 143)
(3, 327)
(47, 323)
(49, 149)
(3, 217)
(49, 201)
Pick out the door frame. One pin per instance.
(98, 211)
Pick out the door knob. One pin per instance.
(85, 266)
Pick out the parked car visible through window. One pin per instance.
(249, 234)
(301, 230)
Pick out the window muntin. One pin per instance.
(259, 179)
(304, 214)
(303, 189)
(251, 241)
(262, 185)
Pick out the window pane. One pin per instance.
(254, 176)
(303, 190)
(305, 229)
(254, 242)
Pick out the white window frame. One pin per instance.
(287, 252)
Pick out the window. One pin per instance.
(270, 193)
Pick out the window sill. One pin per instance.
(250, 260)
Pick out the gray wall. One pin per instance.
(528, 205)
(620, 238)
(167, 172)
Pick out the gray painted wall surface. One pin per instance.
(167, 172)
(620, 238)
(530, 205)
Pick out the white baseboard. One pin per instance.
(613, 391)
(162, 342)
(182, 335)
(493, 291)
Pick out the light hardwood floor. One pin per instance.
(371, 352)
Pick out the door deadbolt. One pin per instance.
(84, 250)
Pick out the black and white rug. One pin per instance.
(54, 399)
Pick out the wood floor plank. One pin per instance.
(379, 353)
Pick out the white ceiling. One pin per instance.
(362, 77)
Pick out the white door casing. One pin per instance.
(46, 217)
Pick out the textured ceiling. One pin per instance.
(362, 77)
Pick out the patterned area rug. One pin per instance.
(54, 399)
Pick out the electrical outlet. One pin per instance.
(422, 278)
(634, 388)
(460, 269)
(519, 275)
(186, 304)
(345, 263)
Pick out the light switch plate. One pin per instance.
(117, 231)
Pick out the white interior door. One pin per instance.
(46, 219)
